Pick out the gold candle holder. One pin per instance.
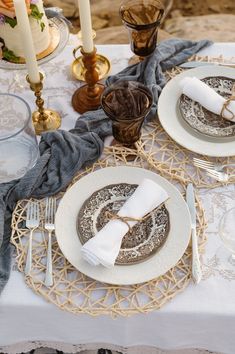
(103, 65)
(87, 97)
(43, 119)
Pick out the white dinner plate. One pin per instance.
(166, 258)
(173, 123)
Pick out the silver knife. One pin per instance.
(196, 64)
(196, 266)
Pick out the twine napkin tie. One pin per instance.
(225, 108)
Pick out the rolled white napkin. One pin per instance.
(200, 92)
(104, 247)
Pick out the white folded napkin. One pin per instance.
(104, 247)
(200, 92)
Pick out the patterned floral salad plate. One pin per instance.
(145, 238)
(167, 236)
(190, 125)
(201, 119)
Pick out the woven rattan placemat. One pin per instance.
(75, 292)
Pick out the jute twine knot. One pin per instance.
(225, 108)
(125, 219)
(112, 216)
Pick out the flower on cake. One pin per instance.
(7, 12)
(2, 19)
(7, 8)
(8, 18)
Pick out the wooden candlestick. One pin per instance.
(87, 97)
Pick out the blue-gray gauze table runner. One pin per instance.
(63, 153)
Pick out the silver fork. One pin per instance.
(32, 222)
(207, 165)
(50, 227)
(220, 176)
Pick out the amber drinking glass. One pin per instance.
(142, 18)
(127, 103)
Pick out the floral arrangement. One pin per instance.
(7, 15)
(7, 12)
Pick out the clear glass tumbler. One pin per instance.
(18, 144)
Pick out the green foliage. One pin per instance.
(9, 55)
(11, 21)
(35, 13)
(42, 24)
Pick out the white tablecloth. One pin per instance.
(202, 316)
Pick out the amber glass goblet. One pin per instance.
(127, 103)
(142, 18)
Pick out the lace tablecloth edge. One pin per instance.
(76, 348)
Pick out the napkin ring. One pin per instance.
(225, 108)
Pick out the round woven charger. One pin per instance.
(73, 291)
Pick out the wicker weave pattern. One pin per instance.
(77, 293)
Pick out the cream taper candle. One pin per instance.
(86, 27)
(27, 40)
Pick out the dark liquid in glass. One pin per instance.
(142, 19)
(127, 104)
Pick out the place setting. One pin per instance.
(116, 227)
(155, 253)
(199, 129)
(116, 181)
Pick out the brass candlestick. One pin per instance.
(43, 119)
(87, 97)
(103, 65)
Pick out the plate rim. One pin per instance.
(179, 130)
(120, 274)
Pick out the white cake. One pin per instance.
(10, 36)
